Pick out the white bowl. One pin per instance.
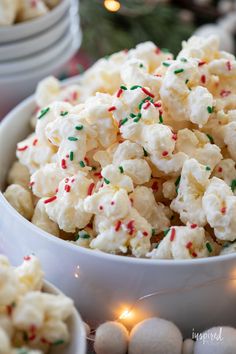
(77, 344)
(48, 55)
(33, 45)
(14, 88)
(27, 29)
(104, 285)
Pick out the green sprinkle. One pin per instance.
(79, 127)
(123, 121)
(121, 169)
(157, 245)
(106, 57)
(145, 152)
(165, 64)
(63, 114)
(166, 231)
(80, 68)
(160, 119)
(58, 342)
(165, 50)
(139, 116)
(141, 65)
(184, 60)
(153, 232)
(178, 71)
(82, 164)
(123, 87)
(106, 181)
(186, 81)
(82, 234)
(143, 101)
(43, 112)
(209, 247)
(135, 87)
(72, 138)
(177, 181)
(208, 168)
(233, 185)
(132, 115)
(210, 109)
(71, 156)
(210, 138)
(226, 245)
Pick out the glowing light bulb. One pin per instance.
(77, 272)
(112, 5)
(125, 315)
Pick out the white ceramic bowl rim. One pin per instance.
(23, 25)
(87, 251)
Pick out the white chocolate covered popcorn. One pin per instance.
(29, 10)
(30, 320)
(19, 174)
(21, 199)
(136, 147)
(219, 205)
(8, 11)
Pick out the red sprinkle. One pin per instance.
(147, 92)
(118, 225)
(229, 65)
(203, 79)
(189, 245)
(100, 207)
(112, 202)
(157, 104)
(90, 188)
(201, 63)
(194, 254)
(86, 160)
(223, 210)
(56, 190)
(155, 186)
(43, 340)
(193, 226)
(157, 50)
(33, 328)
(27, 258)
(172, 235)
(98, 174)
(23, 148)
(165, 153)
(63, 164)
(174, 136)
(220, 169)
(31, 184)
(119, 93)
(225, 93)
(145, 233)
(147, 105)
(50, 200)
(9, 310)
(67, 188)
(67, 180)
(113, 108)
(32, 337)
(74, 95)
(35, 142)
(130, 227)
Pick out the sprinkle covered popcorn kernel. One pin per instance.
(32, 321)
(138, 158)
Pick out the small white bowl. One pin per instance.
(33, 45)
(27, 29)
(16, 87)
(77, 344)
(104, 285)
(46, 56)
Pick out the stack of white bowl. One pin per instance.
(32, 50)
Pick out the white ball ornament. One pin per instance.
(188, 346)
(111, 337)
(216, 340)
(155, 336)
(226, 38)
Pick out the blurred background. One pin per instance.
(74, 34)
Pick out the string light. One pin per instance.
(77, 272)
(112, 5)
(125, 315)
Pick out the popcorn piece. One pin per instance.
(8, 11)
(67, 207)
(230, 138)
(8, 283)
(201, 48)
(5, 342)
(29, 10)
(182, 242)
(219, 205)
(34, 153)
(51, 3)
(30, 275)
(41, 219)
(226, 170)
(19, 174)
(21, 199)
(117, 178)
(169, 189)
(228, 249)
(47, 91)
(193, 183)
(197, 145)
(155, 213)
